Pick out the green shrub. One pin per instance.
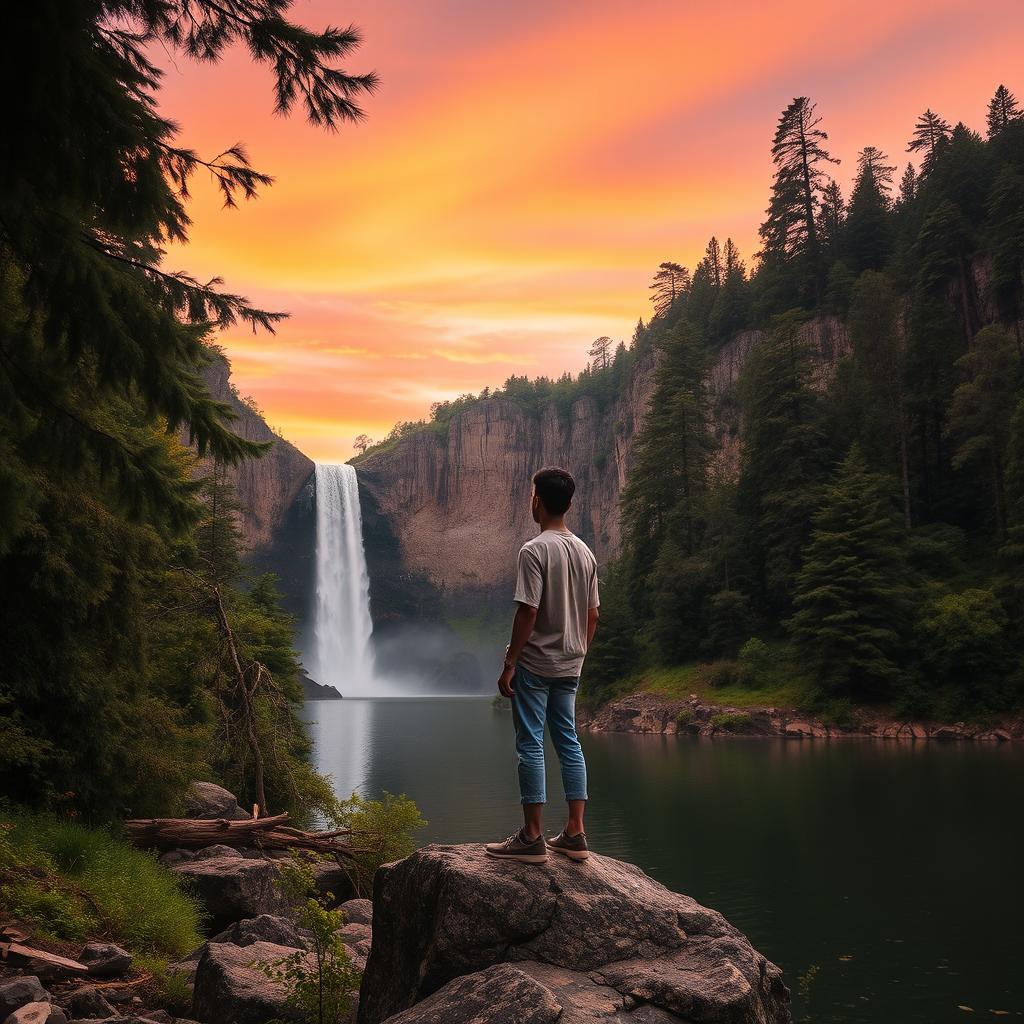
(756, 662)
(384, 830)
(732, 721)
(71, 881)
(684, 718)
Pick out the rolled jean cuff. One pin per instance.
(533, 800)
(576, 796)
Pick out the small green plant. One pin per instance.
(684, 718)
(172, 992)
(732, 721)
(319, 983)
(383, 830)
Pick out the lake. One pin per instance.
(884, 877)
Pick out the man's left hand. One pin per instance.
(505, 686)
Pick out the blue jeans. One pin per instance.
(538, 699)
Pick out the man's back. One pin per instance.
(557, 575)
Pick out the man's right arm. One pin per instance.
(592, 617)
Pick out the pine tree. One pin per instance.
(908, 186)
(730, 311)
(613, 656)
(931, 134)
(790, 233)
(851, 596)
(600, 352)
(665, 490)
(943, 248)
(713, 262)
(981, 411)
(868, 225)
(879, 352)
(831, 219)
(1002, 109)
(1005, 231)
(670, 283)
(784, 456)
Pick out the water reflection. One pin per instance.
(892, 867)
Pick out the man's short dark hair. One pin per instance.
(555, 488)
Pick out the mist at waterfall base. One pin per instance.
(422, 659)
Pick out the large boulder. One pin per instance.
(234, 888)
(332, 883)
(105, 960)
(87, 1002)
(208, 801)
(41, 1012)
(230, 986)
(17, 992)
(598, 937)
(281, 931)
(502, 994)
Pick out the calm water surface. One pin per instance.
(886, 879)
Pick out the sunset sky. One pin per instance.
(523, 169)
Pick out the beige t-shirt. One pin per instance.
(557, 574)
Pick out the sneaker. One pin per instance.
(574, 847)
(517, 847)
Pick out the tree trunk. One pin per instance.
(248, 714)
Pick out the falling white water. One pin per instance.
(344, 655)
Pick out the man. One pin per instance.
(556, 592)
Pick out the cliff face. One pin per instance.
(266, 487)
(459, 505)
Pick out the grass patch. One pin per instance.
(717, 683)
(72, 882)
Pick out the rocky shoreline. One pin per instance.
(692, 716)
(452, 936)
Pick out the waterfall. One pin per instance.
(343, 625)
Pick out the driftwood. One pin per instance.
(270, 833)
(20, 952)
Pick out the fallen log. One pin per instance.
(270, 833)
(21, 954)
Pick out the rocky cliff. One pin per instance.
(459, 503)
(459, 938)
(266, 487)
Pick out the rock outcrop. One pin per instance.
(232, 888)
(17, 992)
(459, 936)
(654, 713)
(208, 801)
(266, 487)
(231, 984)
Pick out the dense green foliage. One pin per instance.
(868, 519)
(72, 882)
(125, 604)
